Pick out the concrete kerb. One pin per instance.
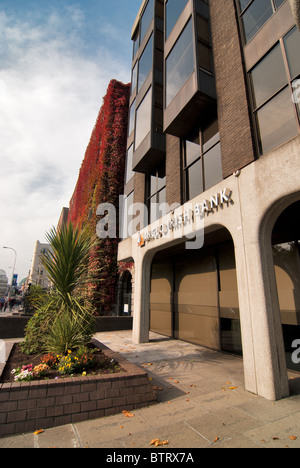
(202, 403)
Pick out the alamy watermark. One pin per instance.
(2, 352)
(296, 354)
(170, 222)
(296, 91)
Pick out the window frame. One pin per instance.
(241, 13)
(214, 142)
(288, 85)
(153, 197)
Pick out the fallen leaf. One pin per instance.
(293, 437)
(127, 414)
(275, 438)
(121, 427)
(228, 383)
(159, 443)
(216, 439)
(233, 388)
(176, 381)
(153, 442)
(40, 431)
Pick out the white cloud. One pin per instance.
(50, 95)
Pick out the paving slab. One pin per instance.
(202, 403)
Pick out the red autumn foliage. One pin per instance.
(101, 180)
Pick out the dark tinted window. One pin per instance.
(180, 63)
(174, 8)
(292, 47)
(269, 76)
(146, 19)
(145, 63)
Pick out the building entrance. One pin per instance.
(286, 254)
(194, 297)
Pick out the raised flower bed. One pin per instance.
(42, 404)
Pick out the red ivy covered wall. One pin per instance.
(101, 180)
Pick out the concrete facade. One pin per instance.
(257, 187)
(38, 274)
(257, 201)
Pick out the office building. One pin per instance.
(213, 179)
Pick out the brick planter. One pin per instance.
(29, 406)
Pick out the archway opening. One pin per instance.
(286, 255)
(194, 295)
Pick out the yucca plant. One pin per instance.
(66, 309)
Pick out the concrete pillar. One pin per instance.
(141, 315)
(270, 373)
(295, 5)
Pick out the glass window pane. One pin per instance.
(131, 118)
(292, 46)
(296, 95)
(192, 152)
(153, 185)
(278, 3)
(244, 3)
(268, 76)
(180, 63)
(277, 121)
(174, 8)
(127, 219)
(153, 210)
(161, 182)
(135, 45)
(256, 16)
(145, 64)
(147, 18)
(212, 167)
(129, 171)
(204, 56)
(211, 136)
(194, 182)
(143, 119)
(203, 29)
(134, 78)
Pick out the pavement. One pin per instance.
(202, 403)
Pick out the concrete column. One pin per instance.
(270, 378)
(295, 5)
(141, 310)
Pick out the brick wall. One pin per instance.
(173, 170)
(30, 406)
(234, 120)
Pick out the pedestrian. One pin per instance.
(1, 303)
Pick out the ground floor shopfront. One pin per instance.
(239, 290)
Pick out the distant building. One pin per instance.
(38, 274)
(3, 283)
(63, 218)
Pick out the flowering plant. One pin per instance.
(72, 364)
(41, 370)
(24, 373)
(51, 360)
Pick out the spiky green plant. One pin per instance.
(67, 305)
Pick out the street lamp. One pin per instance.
(14, 267)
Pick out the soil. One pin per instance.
(17, 359)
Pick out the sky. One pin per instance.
(57, 58)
